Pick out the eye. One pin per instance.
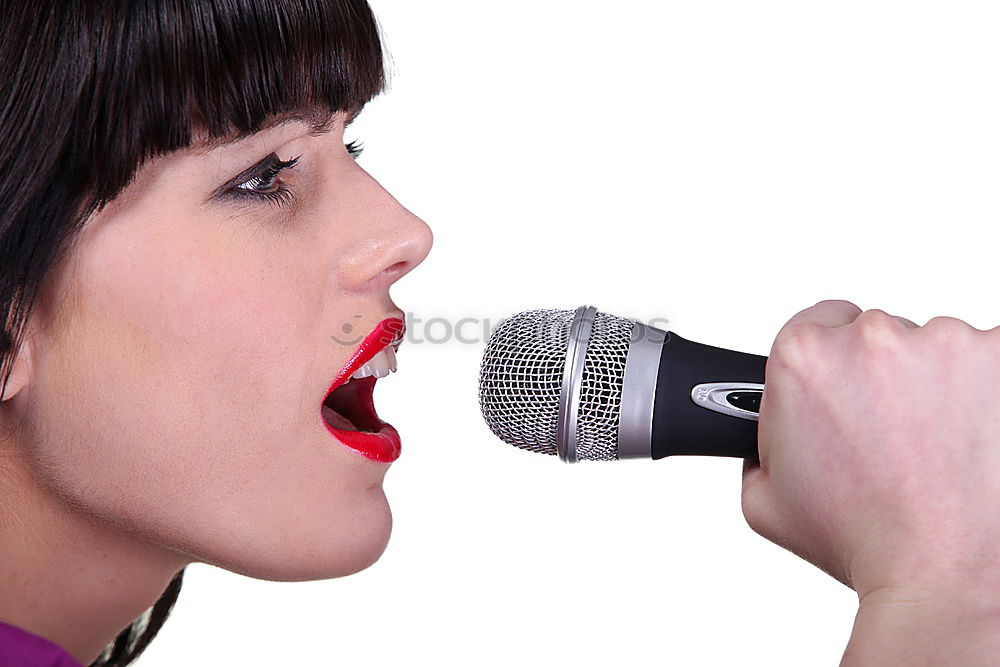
(262, 182)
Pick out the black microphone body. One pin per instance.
(680, 424)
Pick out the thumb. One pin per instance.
(758, 509)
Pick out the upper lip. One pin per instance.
(387, 332)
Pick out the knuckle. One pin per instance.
(948, 334)
(795, 346)
(875, 317)
(944, 325)
(878, 329)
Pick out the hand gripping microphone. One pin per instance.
(590, 386)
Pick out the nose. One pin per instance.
(386, 240)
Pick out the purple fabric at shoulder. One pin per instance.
(20, 648)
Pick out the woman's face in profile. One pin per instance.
(182, 352)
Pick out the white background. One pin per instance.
(720, 163)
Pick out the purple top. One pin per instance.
(23, 649)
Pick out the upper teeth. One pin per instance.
(380, 365)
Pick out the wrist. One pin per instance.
(925, 626)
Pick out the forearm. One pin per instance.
(893, 628)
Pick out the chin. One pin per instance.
(367, 543)
(357, 542)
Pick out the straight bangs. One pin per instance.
(167, 72)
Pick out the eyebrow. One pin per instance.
(320, 122)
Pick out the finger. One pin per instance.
(754, 500)
(828, 313)
(764, 428)
(909, 323)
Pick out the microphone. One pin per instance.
(589, 386)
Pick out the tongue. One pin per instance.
(337, 420)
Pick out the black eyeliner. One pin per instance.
(248, 173)
(269, 163)
(256, 170)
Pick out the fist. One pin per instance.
(879, 449)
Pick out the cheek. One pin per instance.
(177, 404)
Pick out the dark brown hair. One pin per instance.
(92, 89)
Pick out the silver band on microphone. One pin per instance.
(635, 426)
(569, 398)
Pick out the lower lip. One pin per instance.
(382, 445)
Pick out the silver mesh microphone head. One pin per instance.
(551, 382)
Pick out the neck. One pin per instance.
(65, 575)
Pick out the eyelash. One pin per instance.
(280, 196)
(354, 149)
(283, 195)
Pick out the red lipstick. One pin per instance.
(348, 411)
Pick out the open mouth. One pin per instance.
(348, 409)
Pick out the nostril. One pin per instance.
(395, 270)
(386, 276)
